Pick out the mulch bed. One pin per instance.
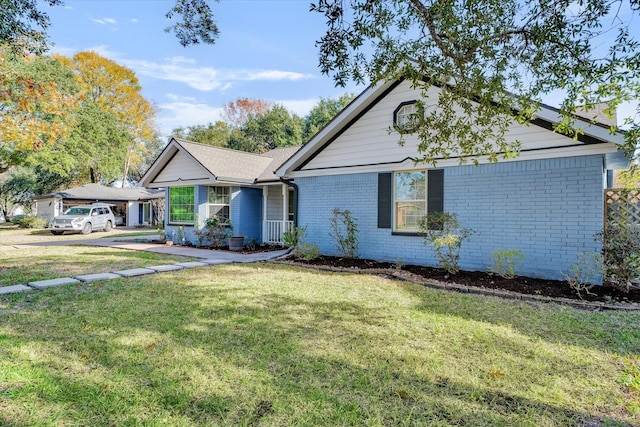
(478, 280)
(248, 249)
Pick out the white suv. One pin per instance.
(84, 219)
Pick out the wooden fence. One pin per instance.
(622, 206)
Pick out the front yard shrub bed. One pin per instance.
(478, 279)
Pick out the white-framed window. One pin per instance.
(219, 203)
(182, 205)
(404, 116)
(409, 200)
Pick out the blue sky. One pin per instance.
(266, 50)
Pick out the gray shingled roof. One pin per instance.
(234, 165)
(100, 192)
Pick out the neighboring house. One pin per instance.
(547, 203)
(239, 187)
(131, 206)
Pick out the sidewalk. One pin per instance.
(208, 258)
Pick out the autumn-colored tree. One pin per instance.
(37, 97)
(116, 89)
(236, 113)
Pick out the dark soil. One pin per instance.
(520, 284)
(248, 249)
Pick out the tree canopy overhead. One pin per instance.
(24, 24)
(490, 58)
(494, 60)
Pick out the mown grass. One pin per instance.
(32, 263)
(266, 344)
(11, 234)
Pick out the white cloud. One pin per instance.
(184, 70)
(182, 114)
(104, 21)
(181, 69)
(299, 106)
(133, 20)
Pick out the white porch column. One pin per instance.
(285, 208)
(265, 195)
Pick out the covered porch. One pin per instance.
(278, 212)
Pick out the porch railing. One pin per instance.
(272, 231)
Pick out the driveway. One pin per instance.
(124, 238)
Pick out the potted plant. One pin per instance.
(236, 243)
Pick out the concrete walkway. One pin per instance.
(207, 258)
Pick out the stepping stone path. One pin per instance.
(224, 258)
(43, 284)
(133, 272)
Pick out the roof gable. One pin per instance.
(97, 192)
(359, 137)
(187, 163)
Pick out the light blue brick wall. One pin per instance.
(246, 213)
(548, 209)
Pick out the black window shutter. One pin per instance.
(435, 190)
(384, 200)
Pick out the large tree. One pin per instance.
(276, 128)
(116, 90)
(237, 113)
(216, 134)
(38, 96)
(94, 151)
(323, 112)
(493, 60)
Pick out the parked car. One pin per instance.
(84, 219)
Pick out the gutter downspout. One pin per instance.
(291, 184)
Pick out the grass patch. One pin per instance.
(49, 262)
(266, 344)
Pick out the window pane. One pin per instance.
(181, 204)
(221, 211)
(410, 185)
(409, 215)
(410, 203)
(219, 195)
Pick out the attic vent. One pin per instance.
(404, 116)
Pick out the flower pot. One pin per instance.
(236, 243)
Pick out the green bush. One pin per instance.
(309, 251)
(294, 237)
(30, 222)
(506, 262)
(441, 229)
(621, 250)
(344, 232)
(215, 231)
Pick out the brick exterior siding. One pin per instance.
(548, 209)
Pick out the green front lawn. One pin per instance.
(264, 344)
(32, 263)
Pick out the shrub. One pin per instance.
(621, 250)
(294, 237)
(216, 231)
(586, 273)
(441, 229)
(29, 222)
(309, 251)
(506, 262)
(181, 236)
(344, 232)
